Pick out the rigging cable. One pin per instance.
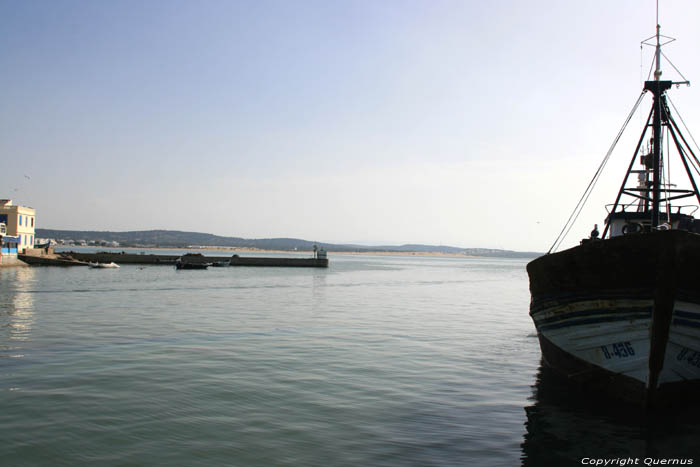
(582, 202)
(694, 162)
(651, 68)
(641, 79)
(691, 157)
(674, 66)
(683, 122)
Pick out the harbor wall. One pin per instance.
(10, 259)
(279, 262)
(125, 258)
(235, 260)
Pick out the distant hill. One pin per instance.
(179, 239)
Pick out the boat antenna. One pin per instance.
(658, 41)
(657, 73)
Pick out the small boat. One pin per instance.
(221, 264)
(190, 265)
(111, 265)
(620, 312)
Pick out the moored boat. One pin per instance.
(191, 261)
(111, 265)
(620, 313)
(51, 260)
(191, 265)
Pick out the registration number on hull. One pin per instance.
(617, 350)
(690, 357)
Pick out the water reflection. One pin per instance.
(565, 425)
(16, 308)
(318, 290)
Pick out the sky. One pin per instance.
(464, 123)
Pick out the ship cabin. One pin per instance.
(633, 222)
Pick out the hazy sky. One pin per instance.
(464, 123)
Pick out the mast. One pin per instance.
(658, 88)
(652, 194)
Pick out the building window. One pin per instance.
(32, 222)
(20, 219)
(31, 240)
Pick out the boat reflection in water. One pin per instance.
(567, 427)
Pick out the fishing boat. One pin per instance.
(620, 312)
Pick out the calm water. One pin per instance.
(377, 361)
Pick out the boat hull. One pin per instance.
(51, 260)
(622, 315)
(191, 265)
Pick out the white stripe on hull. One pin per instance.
(589, 305)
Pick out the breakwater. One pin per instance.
(235, 260)
(285, 262)
(127, 258)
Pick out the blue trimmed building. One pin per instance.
(16, 230)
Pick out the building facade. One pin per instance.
(19, 224)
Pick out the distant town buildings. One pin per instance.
(71, 242)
